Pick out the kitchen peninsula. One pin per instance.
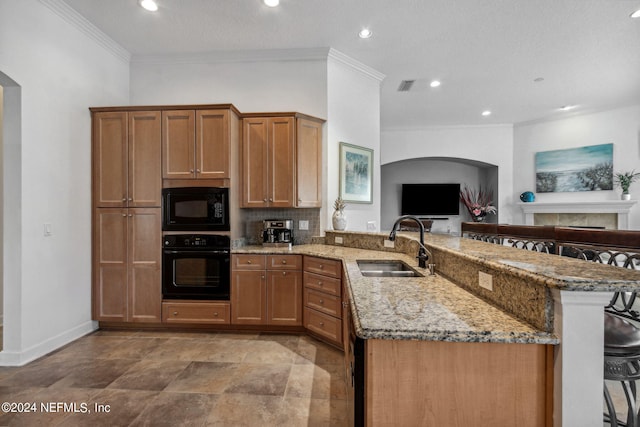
(441, 342)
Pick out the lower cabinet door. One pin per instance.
(284, 298)
(248, 298)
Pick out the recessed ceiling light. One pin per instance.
(149, 5)
(567, 107)
(538, 79)
(486, 113)
(635, 14)
(365, 33)
(435, 83)
(271, 3)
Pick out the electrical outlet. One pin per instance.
(303, 224)
(48, 231)
(485, 280)
(371, 226)
(389, 244)
(338, 240)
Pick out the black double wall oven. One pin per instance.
(196, 264)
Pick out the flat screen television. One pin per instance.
(430, 199)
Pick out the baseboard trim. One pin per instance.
(20, 358)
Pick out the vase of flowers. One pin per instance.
(624, 180)
(478, 203)
(339, 219)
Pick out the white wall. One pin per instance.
(619, 126)
(60, 71)
(488, 144)
(284, 81)
(353, 93)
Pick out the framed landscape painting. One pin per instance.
(587, 168)
(356, 173)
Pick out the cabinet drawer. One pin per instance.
(328, 267)
(322, 283)
(326, 303)
(196, 312)
(248, 262)
(284, 262)
(322, 324)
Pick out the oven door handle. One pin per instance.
(197, 252)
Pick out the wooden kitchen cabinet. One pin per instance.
(266, 290)
(323, 314)
(281, 161)
(196, 144)
(126, 159)
(127, 265)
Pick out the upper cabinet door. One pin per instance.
(110, 159)
(254, 162)
(281, 162)
(213, 155)
(309, 164)
(178, 144)
(145, 159)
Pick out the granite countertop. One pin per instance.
(416, 308)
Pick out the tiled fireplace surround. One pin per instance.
(610, 214)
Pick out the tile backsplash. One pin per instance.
(252, 220)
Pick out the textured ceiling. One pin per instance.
(487, 53)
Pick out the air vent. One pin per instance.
(405, 85)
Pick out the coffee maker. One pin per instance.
(277, 232)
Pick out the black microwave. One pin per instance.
(195, 209)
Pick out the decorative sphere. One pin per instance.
(527, 196)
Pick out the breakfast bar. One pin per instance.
(487, 308)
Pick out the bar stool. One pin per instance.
(621, 363)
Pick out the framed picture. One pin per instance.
(356, 173)
(587, 168)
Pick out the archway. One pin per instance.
(433, 170)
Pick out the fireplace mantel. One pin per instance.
(620, 207)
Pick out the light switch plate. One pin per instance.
(338, 240)
(485, 280)
(303, 224)
(371, 226)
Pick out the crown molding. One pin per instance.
(226, 56)
(70, 15)
(355, 65)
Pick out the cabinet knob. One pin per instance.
(198, 170)
(319, 282)
(191, 170)
(321, 266)
(124, 199)
(271, 199)
(124, 214)
(299, 200)
(130, 215)
(131, 199)
(321, 323)
(248, 261)
(284, 261)
(322, 301)
(215, 314)
(175, 313)
(284, 273)
(264, 200)
(262, 277)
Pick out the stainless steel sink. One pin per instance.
(386, 268)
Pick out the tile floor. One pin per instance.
(174, 379)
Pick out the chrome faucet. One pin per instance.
(423, 253)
